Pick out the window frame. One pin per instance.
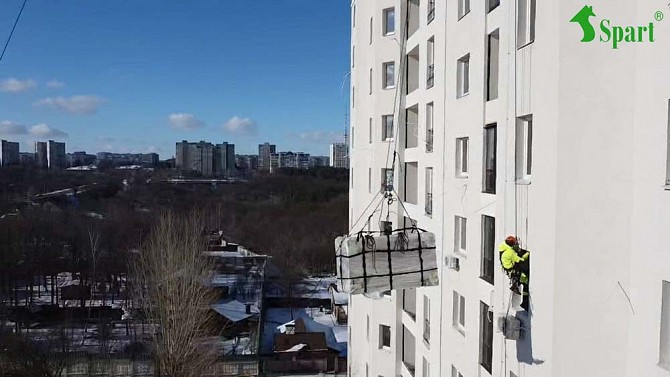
(384, 335)
(385, 127)
(428, 197)
(491, 5)
(430, 14)
(460, 235)
(426, 319)
(463, 8)
(490, 159)
(458, 312)
(525, 35)
(430, 130)
(664, 333)
(523, 149)
(492, 66)
(485, 331)
(462, 156)
(385, 75)
(487, 272)
(385, 19)
(463, 76)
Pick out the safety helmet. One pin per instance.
(511, 240)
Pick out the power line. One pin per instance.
(13, 28)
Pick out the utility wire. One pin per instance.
(13, 28)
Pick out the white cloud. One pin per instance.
(321, 137)
(186, 122)
(85, 104)
(13, 85)
(55, 84)
(153, 149)
(241, 126)
(43, 130)
(8, 127)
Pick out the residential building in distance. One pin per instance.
(206, 158)
(247, 162)
(319, 161)
(9, 153)
(492, 119)
(56, 155)
(339, 156)
(80, 159)
(41, 159)
(265, 151)
(27, 158)
(120, 159)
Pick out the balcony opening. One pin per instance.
(409, 302)
(492, 63)
(430, 69)
(408, 350)
(412, 17)
(413, 70)
(411, 179)
(429, 127)
(412, 127)
(429, 192)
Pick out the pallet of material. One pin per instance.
(373, 262)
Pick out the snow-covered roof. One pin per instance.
(235, 311)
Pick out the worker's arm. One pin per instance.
(525, 254)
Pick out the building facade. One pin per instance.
(205, 158)
(9, 153)
(319, 161)
(339, 158)
(41, 159)
(56, 158)
(447, 95)
(265, 151)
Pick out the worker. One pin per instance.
(516, 263)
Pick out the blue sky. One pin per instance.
(139, 75)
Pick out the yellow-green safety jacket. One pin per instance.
(509, 257)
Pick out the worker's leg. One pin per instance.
(523, 267)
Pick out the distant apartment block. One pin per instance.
(41, 159)
(318, 161)
(9, 153)
(292, 160)
(119, 159)
(338, 155)
(56, 158)
(265, 152)
(206, 158)
(247, 162)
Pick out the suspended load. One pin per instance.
(377, 262)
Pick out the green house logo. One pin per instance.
(614, 34)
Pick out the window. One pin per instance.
(485, 337)
(412, 127)
(353, 16)
(353, 96)
(409, 302)
(429, 191)
(369, 180)
(387, 180)
(664, 350)
(525, 27)
(488, 248)
(412, 16)
(431, 11)
(489, 179)
(389, 21)
(426, 368)
(667, 174)
(511, 374)
(352, 137)
(384, 336)
(460, 231)
(426, 318)
(367, 328)
(492, 4)
(524, 148)
(370, 131)
(462, 157)
(463, 8)
(412, 70)
(353, 56)
(459, 312)
(429, 127)
(455, 372)
(389, 75)
(408, 350)
(411, 182)
(492, 60)
(370, 82)
(430, 69)
(463, 79)
(387, 127)
(367, 370)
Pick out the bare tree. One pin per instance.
(171, 284)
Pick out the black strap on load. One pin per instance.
(388, 247)
(365, 269)
(420, 258)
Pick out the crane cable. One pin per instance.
(4, 49)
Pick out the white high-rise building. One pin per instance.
(339, 158)
(496, 120)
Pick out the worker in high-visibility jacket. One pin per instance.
(516, 263)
